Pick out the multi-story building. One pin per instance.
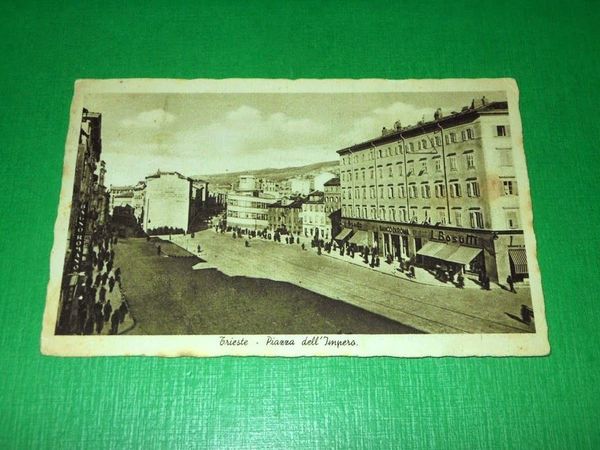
(271, 187)
(248, 210)
(332, 198)
(132, 196)
(87, 221)
(315, 221)
(167, 201)
(121, 196)
(443, 191)
(286, 216)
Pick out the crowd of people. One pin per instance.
(101, 276)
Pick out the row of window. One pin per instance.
(509, 187)
(421, 167)
(318, 219)
(247, 215)
(472, 218)
(247, 203)
(425, 215)
(411, 146)
(431, 141)
(317, 207)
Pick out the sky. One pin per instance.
(203, 134)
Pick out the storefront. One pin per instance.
(498, 254)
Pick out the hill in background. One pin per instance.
(273, 174)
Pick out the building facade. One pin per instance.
(439, 192)
(315, 221)
(333, 205)
(167, 202)
(248, 210)
(87, 222)
(286, 217)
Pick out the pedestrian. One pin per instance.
(109, 265)
(199, 249)
(246, 243)
(123, 310)
(104, 278)
(89, 326)
(485, 281)
(114, 322)
(118, 275)
(526, 314)
(112, 255)
(460, 280)
(107, 311)
(98, 279)
(158, 250)
(100, 265)
(111, 284)
(102, 296)
(98, 317)
(511, 284)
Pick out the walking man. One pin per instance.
(511, 284)
(102, 297)
(111, 284)
(114, 322)
(107, 311)
(98, 317)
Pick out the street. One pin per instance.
(166, 296)
(276, 288)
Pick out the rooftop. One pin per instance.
(477, 108)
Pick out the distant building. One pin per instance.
(286, 216)
(167, 201)
(121, 196)
(315, 223)
(248, 210)
(332, 197)
(248, 183)
(271, 187)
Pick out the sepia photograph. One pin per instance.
(295, 218)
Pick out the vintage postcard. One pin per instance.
(295, 218)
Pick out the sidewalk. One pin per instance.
(422, 276)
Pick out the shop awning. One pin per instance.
(360, 238)
(343, 234)
(519, 259)
(464, 255)
(449, 252)
(431, 248)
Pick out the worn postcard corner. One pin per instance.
(295, 218)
